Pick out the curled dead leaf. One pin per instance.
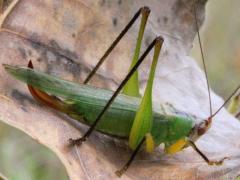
(66, 38)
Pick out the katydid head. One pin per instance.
(202, 127)
(199, 129)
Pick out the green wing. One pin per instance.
(67, 89)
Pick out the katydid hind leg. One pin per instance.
(145, 12)
(142, 124)
(125, 80)
(132, 86)
(147, 98)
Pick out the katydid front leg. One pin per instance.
(208, 161)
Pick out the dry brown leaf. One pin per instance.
(66, 38)
(2, 177)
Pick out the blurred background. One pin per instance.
(221, 45)
(23, 158)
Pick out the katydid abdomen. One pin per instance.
(86, 102)
(118, 119)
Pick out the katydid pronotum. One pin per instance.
(135, 118)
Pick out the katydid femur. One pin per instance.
(135, 118)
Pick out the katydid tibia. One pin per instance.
(103, 109)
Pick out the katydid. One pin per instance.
(134, 116)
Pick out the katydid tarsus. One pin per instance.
(135, 117)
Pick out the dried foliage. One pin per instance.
(66, 38)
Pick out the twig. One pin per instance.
(7, 12)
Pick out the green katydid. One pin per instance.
(103, 109)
